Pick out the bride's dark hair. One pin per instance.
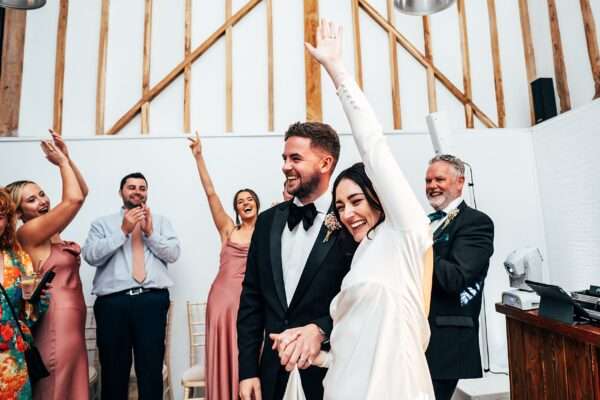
(357, 174)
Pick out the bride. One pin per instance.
(380, 329)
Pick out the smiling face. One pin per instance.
(245, 206)
(306, 168)
(34, 202)
(134, 192)
(356, 213)
(442, 184)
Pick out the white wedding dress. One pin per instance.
(380, 329)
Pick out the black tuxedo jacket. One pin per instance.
(462, 252)
(264, 307)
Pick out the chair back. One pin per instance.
(196, 313)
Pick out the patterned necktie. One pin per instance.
(137, 252)
(306, 214)
(434, 216)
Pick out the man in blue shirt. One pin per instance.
(130, 250)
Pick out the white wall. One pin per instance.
(565, 150)
(124, 64)
(506, 191)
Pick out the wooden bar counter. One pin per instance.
(549, 359)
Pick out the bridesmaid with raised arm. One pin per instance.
(60, 334)
(224, 296)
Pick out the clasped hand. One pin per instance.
(298, 346)
(138, 215)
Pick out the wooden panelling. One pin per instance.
(495, 46)
(589, 25)
(179, 68)
(101, 80)
(516, 364)
(11, 70)
(533, 362)
(395, 83)
(312, 69)
(560, 70)
(528, 52)
(466, 62)
(59, 67)
(146, 65)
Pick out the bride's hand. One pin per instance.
(328, 51)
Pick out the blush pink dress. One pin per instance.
(221, 319)
(60, 335)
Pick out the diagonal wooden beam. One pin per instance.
(179, 68)
(420, 57)
(312, 69)
(589, 26)
(59, 66)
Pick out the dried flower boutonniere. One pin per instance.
(332, 224)
(451, 215)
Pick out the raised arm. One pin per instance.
(38, 230)
(398, 200)
(223, 222)
(60, 143)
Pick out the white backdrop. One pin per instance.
(503, 164)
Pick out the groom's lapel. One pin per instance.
(279, 221)
(315, 259)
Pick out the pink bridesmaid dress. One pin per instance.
(60, 335)
(221, 319)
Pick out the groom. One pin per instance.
(295, 267)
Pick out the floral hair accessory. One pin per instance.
(332, 224)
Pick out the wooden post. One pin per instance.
(187, 71)
(393, 52)
(59, 67)
(228, 71)
(431, 94)
(528, 52)
(466, 63)
(101, 81)
(357, 51)
(592, 43)
(146, 65)
(179, 68)
(312, 69)
(271, 103)
(560, 70)
(11, 70)
(497, 65)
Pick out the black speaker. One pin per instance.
(544, 102)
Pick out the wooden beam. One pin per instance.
(146, 65)
(179, 68)
(495, 46)
(312, 69)
(101, 80)
(11, 75)
(228, 71)
(187, 71)
(560, 70)
(393, 52)
(270, 79)
(417, 55)
(589, 26)
(431, 94)
(59, 66)
(528, 52)
(357, 51)
(466, 63)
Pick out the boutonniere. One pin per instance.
(451, 215)
(332, 224)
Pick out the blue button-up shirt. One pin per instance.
(109, 250)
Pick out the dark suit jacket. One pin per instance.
(263, 305)
(462, 252)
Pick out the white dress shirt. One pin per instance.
(297, 244)
(453, 205)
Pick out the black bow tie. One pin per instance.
(434, 216)
(306, 214)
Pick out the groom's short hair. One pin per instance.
(321, 135)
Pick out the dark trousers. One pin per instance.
(444, 388)
(125, 323)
